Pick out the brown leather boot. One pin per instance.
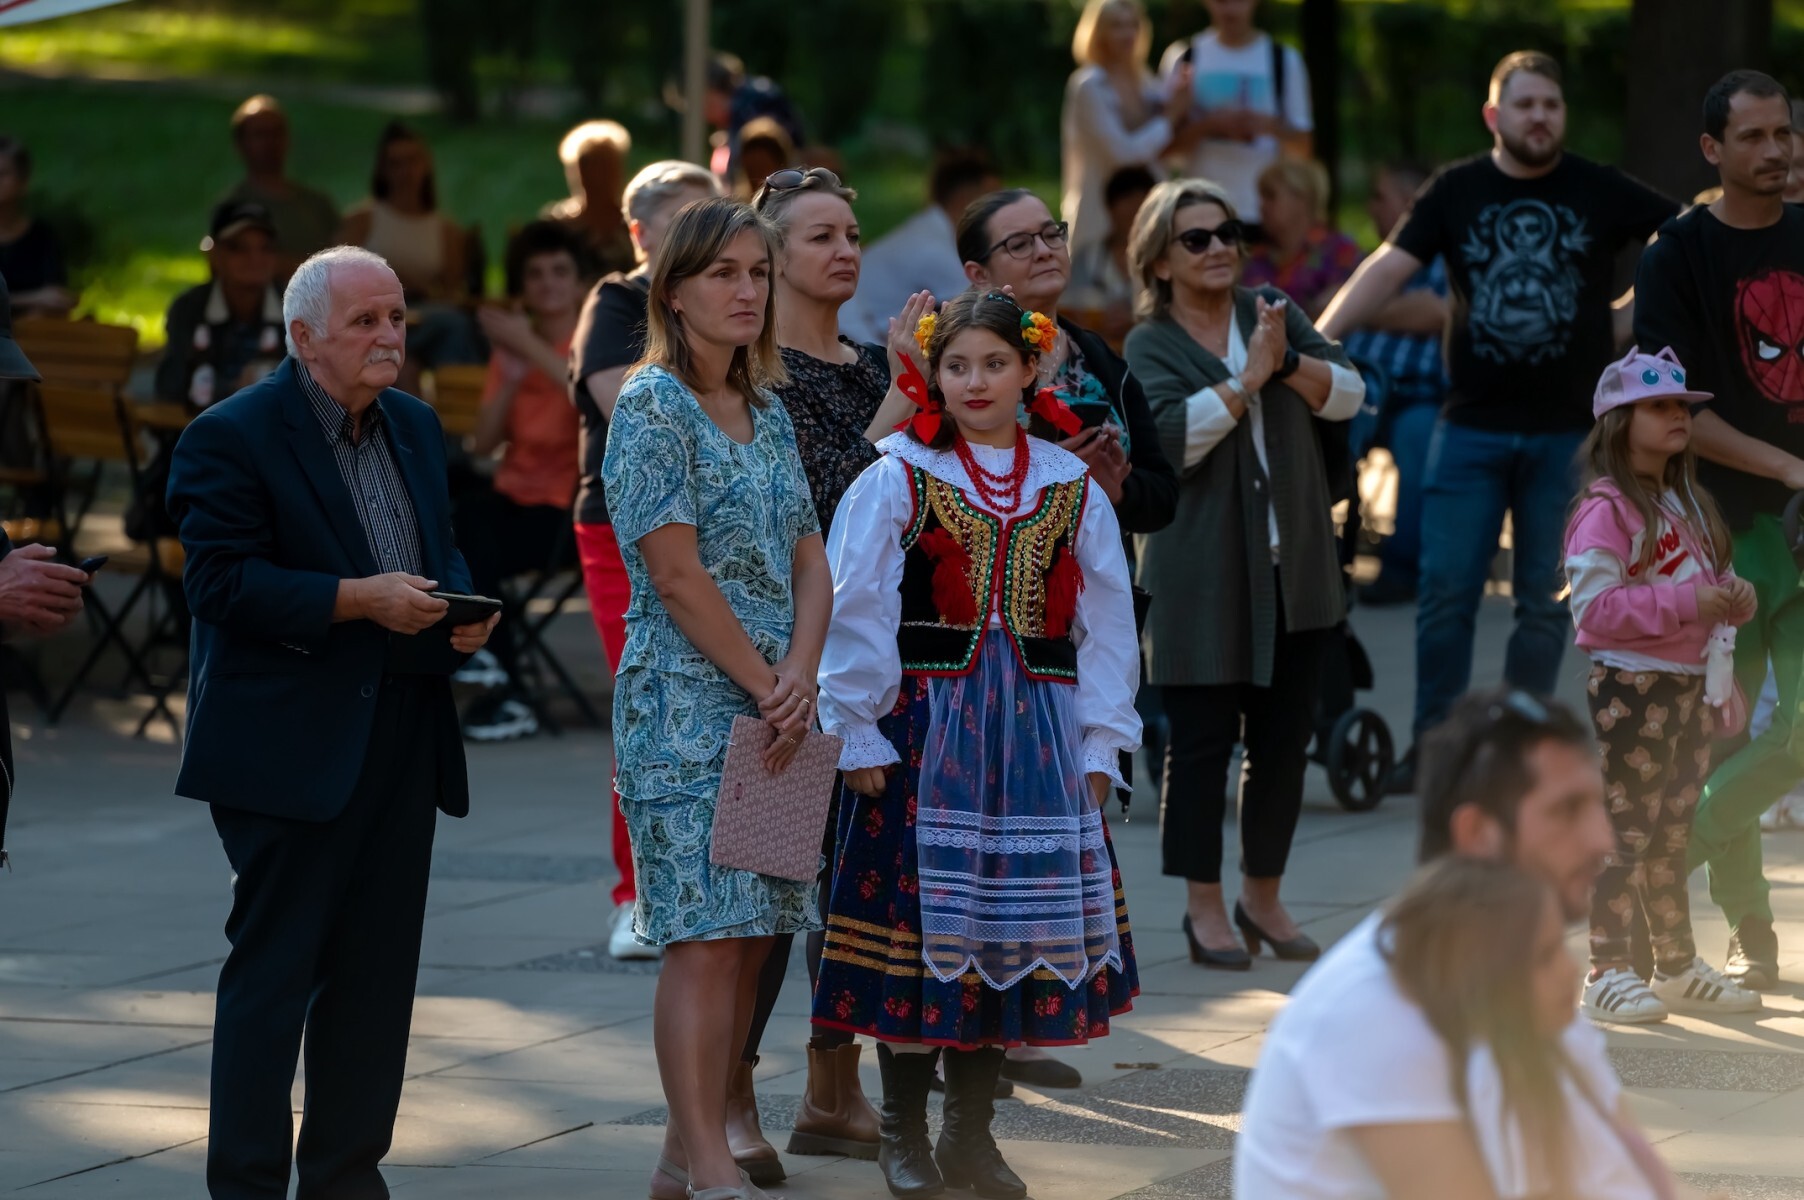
(835, 1117)
(745, 1137)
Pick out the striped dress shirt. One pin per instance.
(368, 467)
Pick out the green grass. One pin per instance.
(141, 165)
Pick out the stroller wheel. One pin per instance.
(1359, 759)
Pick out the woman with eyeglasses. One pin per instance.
(1239, 382)
(1010, 239)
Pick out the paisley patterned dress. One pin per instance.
(668, 463)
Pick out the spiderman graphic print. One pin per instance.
(1769, 320)
(1730, 303)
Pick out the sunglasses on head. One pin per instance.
(791, 178)
(1230, 233)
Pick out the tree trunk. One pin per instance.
(1320, 26)
(1677, 49)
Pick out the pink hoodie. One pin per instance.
(1651, 621)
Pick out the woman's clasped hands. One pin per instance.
(789, 709)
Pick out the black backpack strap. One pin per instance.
(1278, 105)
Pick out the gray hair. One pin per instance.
(1151, 238)
(660, 183)
(308, 296)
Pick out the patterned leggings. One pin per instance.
(1654, 730)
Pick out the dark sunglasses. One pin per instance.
(1020, 245)
(1230, 233)
(791, 178)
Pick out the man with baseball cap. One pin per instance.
(1724, 287)
(226, 334)
(37, 594)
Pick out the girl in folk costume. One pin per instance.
(1654, 600)
(981, 667)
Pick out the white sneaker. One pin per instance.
(1620, 997)
(483, 671)
(1701, 988)
(622, 945)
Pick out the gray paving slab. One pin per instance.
(531, 1073)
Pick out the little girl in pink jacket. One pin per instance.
(1647, 555)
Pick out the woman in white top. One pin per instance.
(1115, 113)
(1480, 947)
(401, 221)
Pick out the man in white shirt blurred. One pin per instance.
(921, 254)
(1250, 102)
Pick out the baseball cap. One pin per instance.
(1636, 377)
(13, 363)
(232, 217)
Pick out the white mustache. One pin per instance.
(382, 356)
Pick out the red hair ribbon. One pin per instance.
(914, 385)
(1048, 407)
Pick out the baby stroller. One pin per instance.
(1352, 744)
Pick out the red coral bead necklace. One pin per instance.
(1001, 490)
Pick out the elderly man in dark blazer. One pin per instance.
(321, 730)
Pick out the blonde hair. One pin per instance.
(698, 235)
(774, 205)
(1151, 238)
(1303, 177)
(1084, 42)
(588, 135)
(1606, 456)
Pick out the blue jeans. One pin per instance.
(1473, 477)
(1411, 431)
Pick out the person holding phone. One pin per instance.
(313, 510)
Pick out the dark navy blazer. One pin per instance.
(280, 698)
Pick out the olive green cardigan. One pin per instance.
(1214, 611)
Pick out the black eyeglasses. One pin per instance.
(1020, 245)
(791, 178)
(1229, 233)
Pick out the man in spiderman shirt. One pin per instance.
(1724, 287)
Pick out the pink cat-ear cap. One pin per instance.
(1637, 377)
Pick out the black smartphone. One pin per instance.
(466, 610)
(88, 566)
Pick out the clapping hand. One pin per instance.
(1265, 350)
(902, 333)
(504, 327)
(1100, 448)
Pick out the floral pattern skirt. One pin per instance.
(873, 979)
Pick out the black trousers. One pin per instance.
(500, 539)
(325, 932)
(1274, 724)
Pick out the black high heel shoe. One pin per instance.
(1235, 959)
(1301, 948)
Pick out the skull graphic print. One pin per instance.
(1526, 280)
(1769, 324)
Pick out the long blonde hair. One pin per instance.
(1089, 31)
(697, 235)
(1606, 457)
(1459, 941)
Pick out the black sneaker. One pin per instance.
(498, 719)
(1754, 955)
(1402, 779)
(1385, 592)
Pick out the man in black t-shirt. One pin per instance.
(609, 339)
(1724, 287)
(1530, 234)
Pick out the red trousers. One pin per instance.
(604, 578)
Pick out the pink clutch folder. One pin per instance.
(773, 824)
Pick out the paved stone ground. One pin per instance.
(532, 1075)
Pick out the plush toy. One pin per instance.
(1719, 666)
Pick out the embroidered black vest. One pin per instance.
(960, 562)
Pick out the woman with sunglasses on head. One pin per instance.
(1238, 380)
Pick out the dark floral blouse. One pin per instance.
(831, 405)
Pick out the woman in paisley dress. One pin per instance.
(731, 596)
(981, 667)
